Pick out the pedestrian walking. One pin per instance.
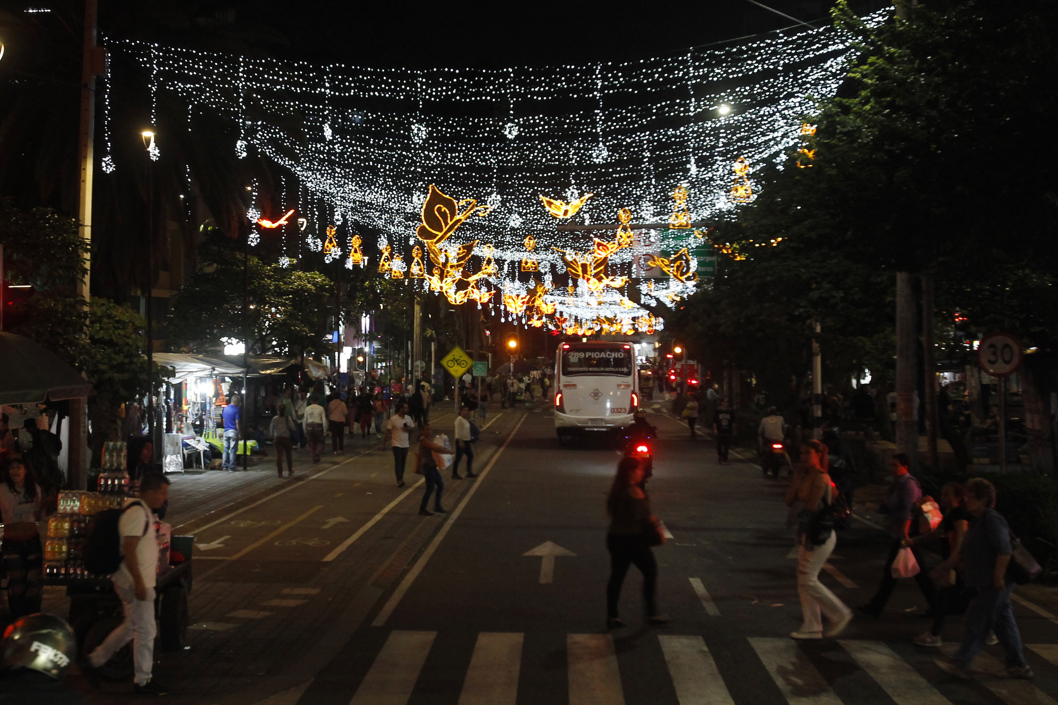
(724, 428)
(812, 492)
(364, 411)
(232, 416)
(464, 444)
(378, 408)
(690, 413)
(282, 431)
(901, 505)
(426, 462)
(397, 438)
(986, 550)
(483, 404)
(315, 420)
(951, 597)
(337, 416)
(21, 554)
(633, 531)
(300, 404)
(134, 584)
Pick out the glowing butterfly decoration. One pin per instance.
(561, 209)
(679, 267)
(356, 255)
(537, 302)
(418, 270)
(441, 216)
(808, 130)
(624, 237)
(809, 154)
(742, 191)
(385, 259)
(516, 303)
(530, 264)
(268, 224)
(331, 245)
(590, 267)
(681, 217)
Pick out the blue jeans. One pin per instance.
(379, 418)
(231, 445)
(463, 450)
(991, 611)
(433, 479)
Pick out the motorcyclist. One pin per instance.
(772, 429)
(641, 432)
(37, 652)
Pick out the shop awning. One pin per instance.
(188, 366)
(32, 374)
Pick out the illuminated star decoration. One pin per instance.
(561, 209)
(265, 223)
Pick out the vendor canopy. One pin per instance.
(188, 366)
(31, 374)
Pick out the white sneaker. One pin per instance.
(992, 639)
(927, 639)
(806, 635)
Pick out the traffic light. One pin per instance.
(512, 343)
(361, 359)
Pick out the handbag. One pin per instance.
(905, 565)
(652, 532)
(821, 525)
(1023, 568)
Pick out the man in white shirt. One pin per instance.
(397, 434)
(134, 583)
(772, 427)
(463, 445)
(315, 423)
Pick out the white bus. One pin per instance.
(596, 387)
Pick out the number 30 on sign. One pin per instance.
(999, 354)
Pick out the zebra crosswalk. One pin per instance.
(500, 673)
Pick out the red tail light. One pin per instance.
(635, 401)
(692, 381)
(776, 446)
(642, 449)
(559, 406)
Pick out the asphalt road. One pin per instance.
(335, 590)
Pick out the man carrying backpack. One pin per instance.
(134, 582)
(901, 506)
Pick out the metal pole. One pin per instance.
(1002, 424)
(817, 385)
(245, 411)
(932, 416)
(906, 341)
(148, 295)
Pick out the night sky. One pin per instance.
(496, 35)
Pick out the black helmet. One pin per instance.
(42, 642)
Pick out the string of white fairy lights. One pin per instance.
(370, 142)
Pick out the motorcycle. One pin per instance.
(639, 443)
(774, 459)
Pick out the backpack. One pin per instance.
(102, 550)
(474, 432)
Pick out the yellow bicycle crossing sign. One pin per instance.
(457, 362)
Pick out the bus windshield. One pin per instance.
(615, 361)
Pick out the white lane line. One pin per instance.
(707, 602)
(665, 530)
(266, 539)
(896, 676)
(1047, 651)
(494, 420)
(694, 673)
(374, 520)
(793, 673)
(249, 614)
(395, 599)
(300, 591)
(492, 678)
(1038, 610)
(392, 677)
(839, 576)
(212, 626)
(594, 678)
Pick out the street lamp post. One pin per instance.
(152, 151)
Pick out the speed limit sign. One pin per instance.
(999, 354)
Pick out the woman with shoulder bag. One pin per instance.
(633, 530)
(816, 540)
(283, 431)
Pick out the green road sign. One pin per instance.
(481, 369)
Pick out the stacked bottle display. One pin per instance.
(68, 529)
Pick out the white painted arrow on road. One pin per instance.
(219, 543)
(548, 551)
(336, 520)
